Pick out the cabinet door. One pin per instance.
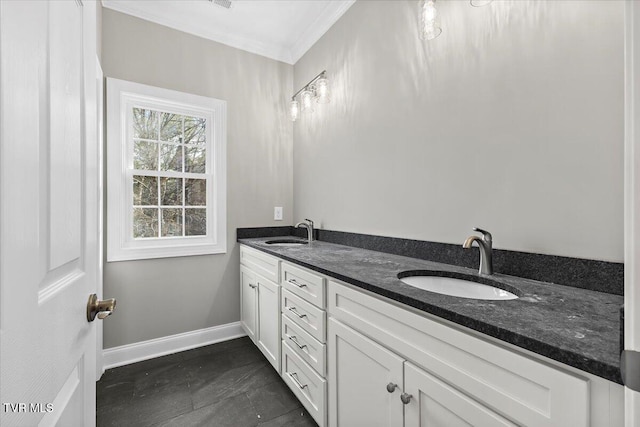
(434, 403)
(249, 303)
(269, 321)
(359, 372)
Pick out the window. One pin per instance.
(166, 189)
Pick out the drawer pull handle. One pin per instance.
(295, 341)
(391, 387)
(252, 286)
(294, 377)
(406, 398)
(293, 282)
(293, 310)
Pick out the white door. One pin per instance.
(365, 381)
(249, 303)
(269, 321)
(433, 403)
(632, 203)
(48, 216)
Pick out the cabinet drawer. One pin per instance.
(526, 391)
(265, 265)
(303, 283)
(308, 317)
(305, 383)
(305, 346)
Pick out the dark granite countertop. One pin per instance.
(577, 327)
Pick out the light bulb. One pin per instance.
(322, 91)
(430, 11)
(295, 110)
(480, 3)
(306, 98)
(429, 22)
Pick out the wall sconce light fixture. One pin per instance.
(316, 90)
(429, 22)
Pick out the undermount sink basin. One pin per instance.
(457, 287)
(286, 242)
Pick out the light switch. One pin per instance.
(277, 213)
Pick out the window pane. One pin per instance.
(171, 157)
(171, 222)
(145, 190)
(194, 130)
(171, 127)
(145, 123)
(171, 191)
(145, 155)
(195, 222)
(194, 161)
(195, 192)
(145, 222)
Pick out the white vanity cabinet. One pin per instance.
(370, 385)
(260, 302)
(354, 358)
(444, 376)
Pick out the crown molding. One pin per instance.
(289, 55)
(321, 25)
(239, 42)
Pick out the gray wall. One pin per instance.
(512, 120)
(167, 296)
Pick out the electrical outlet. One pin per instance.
(277, 213)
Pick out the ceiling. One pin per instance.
(279, 29)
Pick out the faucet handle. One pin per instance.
(309, 221)
(485, 234)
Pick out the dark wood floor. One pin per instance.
(226, 384)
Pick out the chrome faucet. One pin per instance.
(308, 224)
(485, 244)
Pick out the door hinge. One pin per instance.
(630, 369)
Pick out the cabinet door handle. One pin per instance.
(295, 341)
(391, 387)
(293, 310)
(405, 398)
(295, 283)
(252, 286)
(294, 377)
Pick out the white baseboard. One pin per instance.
(136, 352)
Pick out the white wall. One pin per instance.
(162, 297)
(512, 120)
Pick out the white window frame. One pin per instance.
(122, 96)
